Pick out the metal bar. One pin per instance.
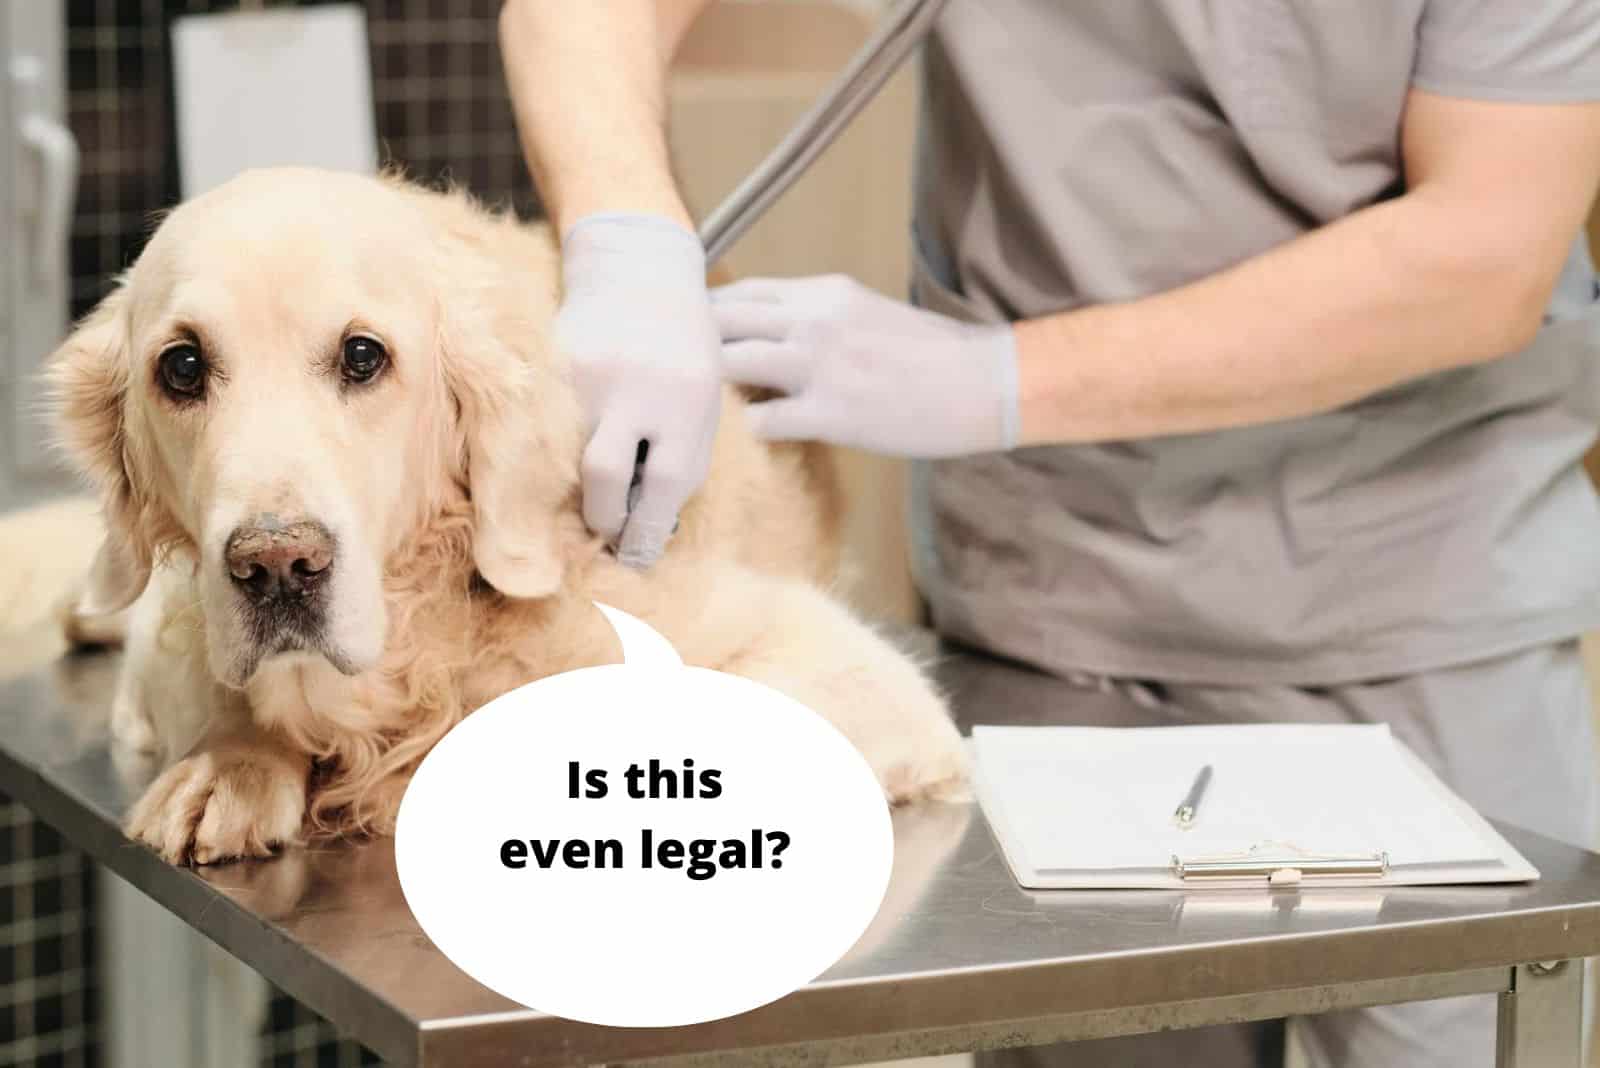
(1169, 1017)
(1269, 867)
(448, 1047)
(856, 85)
(1541, 1017)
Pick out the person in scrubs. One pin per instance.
(1252, 356)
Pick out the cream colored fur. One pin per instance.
(451, 485)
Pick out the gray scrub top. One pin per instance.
(1082, 151)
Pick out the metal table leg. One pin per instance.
(1541, 1017)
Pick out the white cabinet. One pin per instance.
(38, 187)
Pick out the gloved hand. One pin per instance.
(857, 368)
(636, 322)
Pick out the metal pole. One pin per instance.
(1541, 1017)
(905, 28)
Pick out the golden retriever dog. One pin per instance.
(338, 461)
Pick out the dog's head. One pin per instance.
(297, 375)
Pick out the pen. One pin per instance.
(1189, 808)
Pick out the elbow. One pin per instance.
(1501, 298)
(1485, 278)
(1516, 299)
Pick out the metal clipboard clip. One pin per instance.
(1278, 864)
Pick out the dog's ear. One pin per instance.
(87, 381)
(519, 441)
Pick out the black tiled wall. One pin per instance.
(441, 112)
(47, 996)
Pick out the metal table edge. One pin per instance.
(308, 978)
(460, 1040)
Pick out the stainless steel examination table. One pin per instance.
(959, 957)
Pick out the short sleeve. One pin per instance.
(1516, 50)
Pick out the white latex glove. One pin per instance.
(636, 322)
(856, 368)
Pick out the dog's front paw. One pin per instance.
(896, 720)
(920, 756)
(223, 803)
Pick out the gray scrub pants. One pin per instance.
(1512, 735)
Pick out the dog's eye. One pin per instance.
(183, 371)
(363, 359)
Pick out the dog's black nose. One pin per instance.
(270, 559)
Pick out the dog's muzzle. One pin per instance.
(282, 571)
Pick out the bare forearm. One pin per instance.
(587, 83)
(1386, 295)
(1456, 271)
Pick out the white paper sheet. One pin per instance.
(1102, 799)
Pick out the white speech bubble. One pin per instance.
(627, 945)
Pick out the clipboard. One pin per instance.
(1295, 806)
